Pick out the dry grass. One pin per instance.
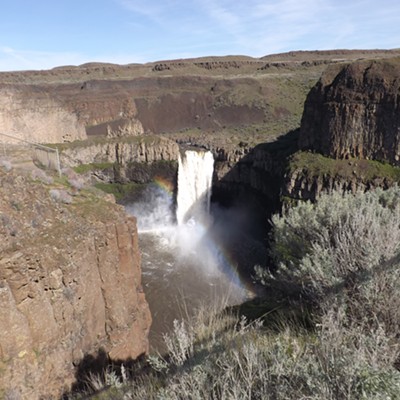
(236, 359)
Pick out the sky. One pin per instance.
(42, 34)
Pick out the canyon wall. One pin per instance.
(142, 149)
(32, 114)
(350, 131)
(348, 139)
(70, 287)
(71, 103)
(74, 111)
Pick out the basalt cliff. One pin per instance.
(213, 95)
(70, 286)
(354, 111)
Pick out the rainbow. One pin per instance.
(220, 253)
(228, 264)
(165, 185)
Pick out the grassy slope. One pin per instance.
(315, 165)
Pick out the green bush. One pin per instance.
(343, 253)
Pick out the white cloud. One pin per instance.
(223, 14)
(261, 27)
(143, 7)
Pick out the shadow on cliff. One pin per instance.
(247, 196)
(91, 370)
(254, 183)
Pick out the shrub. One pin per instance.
(240, 360)
(60, 196)
(38, 174)
(6, 164)
(343, 244)
(77, 182)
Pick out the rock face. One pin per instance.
(145, 149)
(212, 93)
(33, 115)
(70, 285)
(354, 111)
(56, 113)
(300, 184)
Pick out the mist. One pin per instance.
(192, 252)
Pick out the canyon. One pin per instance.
(281, 128)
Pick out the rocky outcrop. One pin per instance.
(354, 111)
(308, 174)
(142, 149)
(70, 285)
(300, 185)
(117, 128)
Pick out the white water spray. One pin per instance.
(194, 185)
(181, 261)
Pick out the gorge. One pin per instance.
(187, 255)
(202, 153)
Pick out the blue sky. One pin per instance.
(40, 34)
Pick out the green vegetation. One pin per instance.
(84, 168)
(103, 140)
(328, 330)
(315, 164)
(119, 190)
(340, 242)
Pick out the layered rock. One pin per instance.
(146, 149)
(308, 175)
(70, 286)
(354, 111)
(69, 103)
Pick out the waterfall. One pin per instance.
(194, 185)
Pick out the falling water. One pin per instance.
(194, 185)
(183, 265)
